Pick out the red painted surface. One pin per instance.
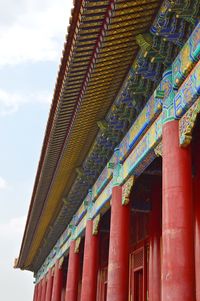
(72, 274)
(57, 283)
(79, 290)
(63, 294)
(49, 286)
(196, 187)
(42, 288)
(118, 266)
(154, 245)
(102, 284)
(138, 285)
(44, 285)
(177, 222)
(35, 293)
(39, 295)
(90, 264)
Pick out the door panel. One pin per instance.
(138, 279)
(138, 285)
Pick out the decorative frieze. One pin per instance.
(187, 123)
(116, 166)
(187, 58)
(168, 107)
(188, 93)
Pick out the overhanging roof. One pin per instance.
(98, 53)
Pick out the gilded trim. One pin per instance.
(126, 190)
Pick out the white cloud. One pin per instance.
(21, 282)
(3, 183)
(30, 31)
(36, 33)
(12, 228)
(10, 102)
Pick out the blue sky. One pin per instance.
(32, 34)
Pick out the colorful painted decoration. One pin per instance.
(187, 123)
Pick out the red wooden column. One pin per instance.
(35, 293)
(154, 245)
(90, 264)
(63, 294)
(177, 222)
(44, 285)
(39, 294)
(118, 262)
(42, 289)
(49, 285)
(197, 216)
(57, 282)
(72, 273)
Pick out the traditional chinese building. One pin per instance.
(115, 209)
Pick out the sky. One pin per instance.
(32, 35)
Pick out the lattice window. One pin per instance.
(138, 259)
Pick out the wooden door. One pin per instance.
(138, 285)
(138, 279)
